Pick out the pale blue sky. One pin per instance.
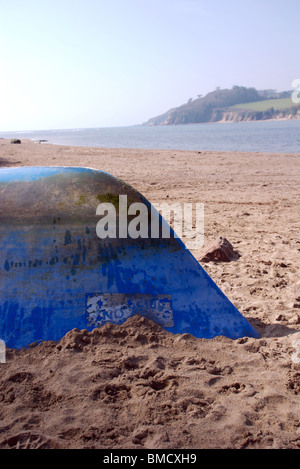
(94, 63)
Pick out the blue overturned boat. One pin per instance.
(59, 271)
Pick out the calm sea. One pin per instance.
(260, 136)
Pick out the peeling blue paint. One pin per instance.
(49, 285)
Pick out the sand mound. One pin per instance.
(138, 386)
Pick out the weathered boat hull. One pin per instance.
(56, 274)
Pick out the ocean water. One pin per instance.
(260, 136)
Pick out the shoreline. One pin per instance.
(159, 390)
(43, 143)
(199, 139)
(274, 119)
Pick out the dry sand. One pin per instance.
(138, 386)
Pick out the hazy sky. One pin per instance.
(103, 63)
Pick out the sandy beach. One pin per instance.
(138, 386)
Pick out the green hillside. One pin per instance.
(236, 104)
(276, 104)
(204, 108)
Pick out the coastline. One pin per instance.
(209, 393)
(251, 136)
(274, 119)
